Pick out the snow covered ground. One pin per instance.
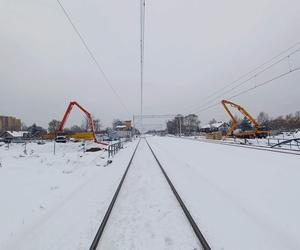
(240, 198)
(55, 201)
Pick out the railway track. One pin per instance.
(195, 227)
(203, 242)
(100, 231)
(255, 147)
(261, 148)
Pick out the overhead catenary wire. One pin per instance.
(94, 59)
(264, 83)
(253, 71)
(258, 67)
(251, 88)
(253, 77)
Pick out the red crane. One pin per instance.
(88, 116)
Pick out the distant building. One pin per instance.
(121, 127)
(214, 127)
(123, 131)
(14, 136)
(128, 124)
(9, 123)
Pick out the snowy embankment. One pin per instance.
(55, 201)
(240, 198)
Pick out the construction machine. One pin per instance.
(258, 132)
(88, 116)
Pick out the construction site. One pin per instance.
(142, 125)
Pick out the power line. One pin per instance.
(92, 56)
(251, 72)
(252, 88)
(253, 77)
(264, 83)
(142, 47)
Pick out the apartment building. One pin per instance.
(9, 123)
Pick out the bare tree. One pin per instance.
(76, 128)
(97, 125)
(184, 124)
(212, 121)
(84, 125)
(262, 118)
(116, 122)
(24, 127)
(53, 125)
(192, 123)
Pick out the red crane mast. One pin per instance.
(87, 114)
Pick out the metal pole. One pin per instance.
(180, 127)
(54, 147)
(142, 15)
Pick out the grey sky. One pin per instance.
(192, 48)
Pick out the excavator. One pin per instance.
(88, 116)
(258, 132)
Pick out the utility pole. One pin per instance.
(142, 56)
(180, 127)
(54, 147)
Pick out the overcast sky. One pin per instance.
(192, 49)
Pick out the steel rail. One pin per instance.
(111, 205)
(194, 225)
(256, 147)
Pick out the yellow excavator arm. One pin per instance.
(234, 121)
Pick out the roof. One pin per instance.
(205, 126)
(218, 124)
(121, 126)
(214, 125)
(17, 133)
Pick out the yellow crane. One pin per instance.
(259, 131)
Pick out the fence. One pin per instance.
(291, 142)
(114, 148)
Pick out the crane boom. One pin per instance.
(87, 114)
(258, 128)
